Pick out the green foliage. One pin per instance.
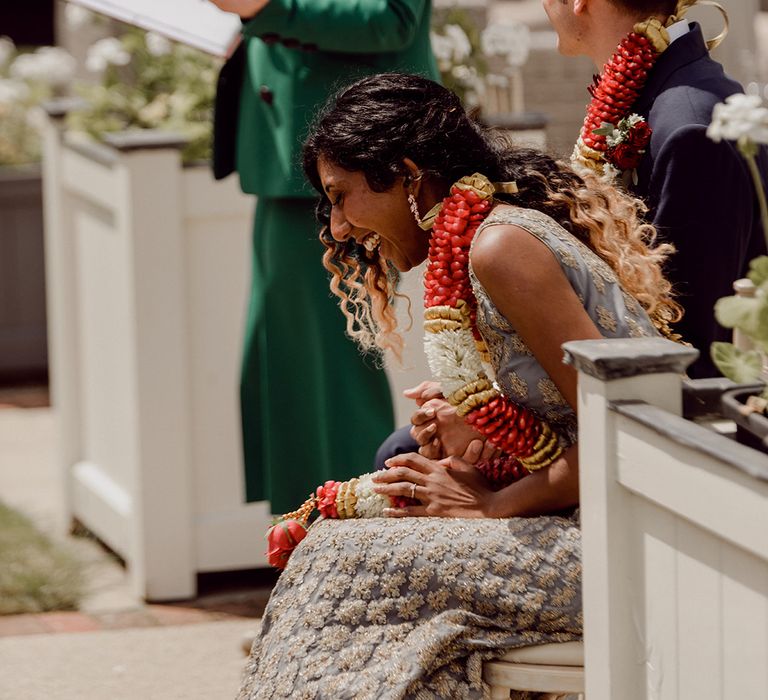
(19, 141)
(758, 271)
(173, 91)
(744, 120)
(36, 575)
(742, 367)
(27, 78)
(456, 45)
(750, 316)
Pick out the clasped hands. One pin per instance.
(440, 432)
(441, 476)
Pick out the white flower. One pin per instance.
(614, 138)
(466, 75)
(157, 45)
(369, 503)
(7, 49)
(76, 16)
(56, 65)
(461, 47)
(442, 47)
(740, 117)
(106, 52)
(49, 64)
(513, 41)
(156, 111)
(453, 358)
(12, 91)
(180, 104)
(26, 67)
(497, 80)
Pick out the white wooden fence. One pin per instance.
(147, 269)
(674, 523)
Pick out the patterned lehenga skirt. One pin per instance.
(410, 608)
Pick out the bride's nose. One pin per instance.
(341, 229)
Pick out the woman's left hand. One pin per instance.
(451, 487)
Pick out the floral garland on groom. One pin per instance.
(613, 140)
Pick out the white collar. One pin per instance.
(678, 29)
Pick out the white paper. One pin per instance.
(197, 23)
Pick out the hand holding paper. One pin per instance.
(244, 8)
(197, 23)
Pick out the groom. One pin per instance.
(700, 194)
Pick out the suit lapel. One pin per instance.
(688, 48)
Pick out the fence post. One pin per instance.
(647, 369)
(150, 219)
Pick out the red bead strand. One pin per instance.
(618, 87)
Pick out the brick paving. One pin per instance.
(248, 603)
(237, 595)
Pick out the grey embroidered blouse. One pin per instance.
(615, 313)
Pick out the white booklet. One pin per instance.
(197, 23)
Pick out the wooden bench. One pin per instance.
(548, 668)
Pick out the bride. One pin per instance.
(470, 560)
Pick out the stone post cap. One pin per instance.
(145, 139)
(618, 358)
(58, 108)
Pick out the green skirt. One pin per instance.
(313, 408)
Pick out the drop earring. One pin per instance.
(414, 208)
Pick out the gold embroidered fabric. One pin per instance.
(615, 313)
(392, 609)
(386, 609)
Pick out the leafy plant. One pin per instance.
(467, 56)
(148, 82)
(27, 78)
(143, 81)
(36, 574)
(744, 119)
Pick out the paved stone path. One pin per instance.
(116, 647)
(190, 662)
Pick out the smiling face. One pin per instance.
(373, 219)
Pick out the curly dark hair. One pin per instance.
(372, 125)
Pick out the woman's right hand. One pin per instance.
(245, 8)
(440, 432)
(423, 392)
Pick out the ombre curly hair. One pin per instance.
(372, 125)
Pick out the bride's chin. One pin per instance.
(401, 263)
(396, 257)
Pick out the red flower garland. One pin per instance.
(618, 88)
(519, 433)
(613, 94)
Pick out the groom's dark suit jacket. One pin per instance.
(700, 194)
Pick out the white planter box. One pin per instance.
(674, 522)
(147, 269)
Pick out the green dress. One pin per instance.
(313, 407)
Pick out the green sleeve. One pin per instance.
(345, 26)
